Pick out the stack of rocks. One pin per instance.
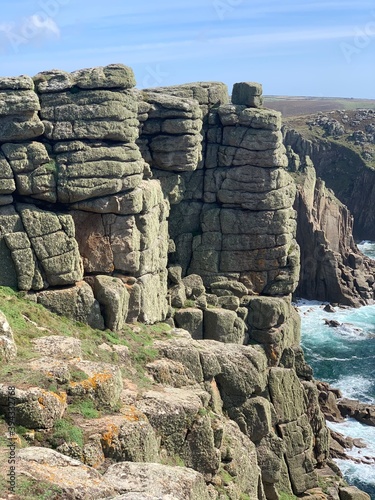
(233, 216)
(86, 160)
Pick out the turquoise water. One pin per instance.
(345, 357)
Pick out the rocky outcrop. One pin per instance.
(168, 204)
(341, 145)
(77, 160)
(332, 267)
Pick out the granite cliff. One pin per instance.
(341, 146)
(121, 208)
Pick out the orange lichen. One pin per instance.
(61, 397)
(110, 434)
(131, 414)
(93, 382)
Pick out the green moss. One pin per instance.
(65, 431)
(51, 167)
(16, 373)
(78, 375)
(86, 408)
(173, 461)
(226, 477)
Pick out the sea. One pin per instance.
(345, 357)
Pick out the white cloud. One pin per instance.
(38, 26)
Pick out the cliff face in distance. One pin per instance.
(341, 146)
(121, 206)
(332, 267)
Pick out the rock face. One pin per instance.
(111, 195)
(332, 267)
(75, 147)
(347, 164)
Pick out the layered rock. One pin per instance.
(120, 179)
(332, 267)
(233, 216)
(86, 162)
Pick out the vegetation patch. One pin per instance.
(65, 431)
(32, 489)
(85, 407)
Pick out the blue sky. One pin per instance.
(311, 47)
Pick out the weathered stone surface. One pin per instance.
(58, 347)
(230, 302)
(364, 413)
(239, 455)
(8, 348)
(317, 422)
(161, 481)
(22, 82)
(113, 296)
(7, 185)
(171, 373)
(248, 94)
(90, 115)
(287, 394)
(33, 169)
(256, 417)
(199, 451)
(19, 120)
(178, 295)
(116, 76)
(113, 76)
(153, 305)
(171, 413)
(104, 383)
(77, 303)
(353, 493)
(72, 476)
(298, 439)
(238, 370)
(41, 248)
(331, 267)
(270, 451)
(96, 170)
(234, 287)
(190, 319)
(134, 440)
(224, 326)
(52, 239)
(194, 286)
(35, 408)
(171, 133)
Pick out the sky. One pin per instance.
(302, 48)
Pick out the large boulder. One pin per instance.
(113, 296)
(35, 408)
(156, 481)
(75, 479)
(77, 303)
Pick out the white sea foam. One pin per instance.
(352, 469)
(355, 387)
(368, 248)
(355, 472)
(344, 356)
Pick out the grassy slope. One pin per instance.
(30, 321)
